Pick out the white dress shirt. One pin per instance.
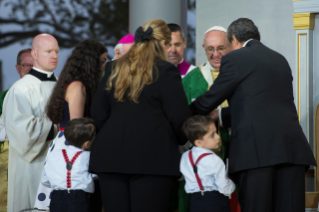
(55, 172)
(211, 171)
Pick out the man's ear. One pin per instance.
(198, 143)
(85, 145)
(235, 40)
(17, 69)
(184, 42)
(34, 54)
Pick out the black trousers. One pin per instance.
(96, 198)
(211, 201)
(135, 193)
(277, 188)
(75, 201)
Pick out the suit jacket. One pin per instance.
(140, 138)
(257, 82)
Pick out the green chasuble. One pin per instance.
(2, 95)
(195, 84)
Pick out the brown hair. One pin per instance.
(134, 70)
(176, 28)
(196, 127)
(78, 131)
(21, 53)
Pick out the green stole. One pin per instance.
(2, 95)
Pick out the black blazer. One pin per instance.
(257, 82)
(140, 138)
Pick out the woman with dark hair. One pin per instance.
(73, 95)
(75, 89)
(139, 109)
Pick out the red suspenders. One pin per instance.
(190, 156)
(69, 165)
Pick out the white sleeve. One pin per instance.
(223, 183)
(2, 130)
(26, 132)
(45, 180)
(94, 176)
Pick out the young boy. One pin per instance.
(66, 171)
(204, 171)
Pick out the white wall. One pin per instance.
(272, 17)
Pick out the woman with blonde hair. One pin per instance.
(139, 109)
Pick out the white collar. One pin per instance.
(211, 67)
(49, 74)
(75, 148)
(180, 62)
(247, 42)
(201, 149)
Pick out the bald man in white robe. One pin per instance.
(28, 128)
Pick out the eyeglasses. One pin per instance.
(26, 65)
(211, 50)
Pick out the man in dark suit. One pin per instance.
(268, 151)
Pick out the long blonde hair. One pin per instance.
(134, 70)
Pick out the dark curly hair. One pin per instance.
(84, 65)
(243, 29)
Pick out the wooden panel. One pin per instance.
(312, 199)
(316, 142)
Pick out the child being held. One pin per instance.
(66, 170)
(204, 171)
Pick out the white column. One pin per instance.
(303, 85)
(171, 11)
(303, 82)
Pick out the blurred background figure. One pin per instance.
(123, 46)
(24, 62)
(23, 66)
(176, 48)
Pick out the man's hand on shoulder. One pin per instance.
(214, 115)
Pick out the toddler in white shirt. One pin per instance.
(66, 170)
(204, 171)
